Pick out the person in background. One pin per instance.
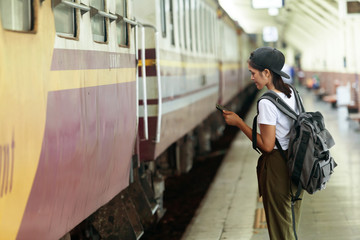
(289, 70)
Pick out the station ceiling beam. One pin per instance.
(321, 11)
(311, 13)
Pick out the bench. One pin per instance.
(330, 99)
(353, 108)
(354, 117)
(320, 93)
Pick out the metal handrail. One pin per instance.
(143, 26)
(158, 131)
(135, 23)
(158, 75)
(143, 70)
(137, 77)
(76, 5)
(107, 15)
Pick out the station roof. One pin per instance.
(298, 22)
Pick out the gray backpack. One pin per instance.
(309, 161)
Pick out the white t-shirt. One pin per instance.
(269, 114)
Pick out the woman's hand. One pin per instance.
(265, 140)
(231, 118)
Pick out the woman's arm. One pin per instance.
(265, 140)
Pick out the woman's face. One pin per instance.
(260, 79)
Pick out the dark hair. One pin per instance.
(276, 78)
(280, 85)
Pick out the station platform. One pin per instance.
(232, 210)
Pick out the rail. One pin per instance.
(107, 15)
(143, 70)
(158, 75)
(135, 24)
(76, 5)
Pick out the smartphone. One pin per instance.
(221, 108)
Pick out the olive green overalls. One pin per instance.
(274, 187)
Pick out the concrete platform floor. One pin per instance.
(231, 208)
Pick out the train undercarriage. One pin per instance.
(140, 206)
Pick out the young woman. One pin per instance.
(265, 66)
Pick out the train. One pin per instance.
(100, 100)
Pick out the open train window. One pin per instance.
(163, 17)
(207, 29)
(184, 23)
(122, 26)
(190, 10)
(209, 32)
(178, 10)
(212, 32)
(196, 25)
(17, 15)
(65, 18)
(98, 21)
(202, 29)
(171, 25)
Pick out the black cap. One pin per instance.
(270, 58)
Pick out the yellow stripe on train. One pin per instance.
(72, 79)
(167, 63)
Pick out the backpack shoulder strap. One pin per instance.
(280, 104)
(298, 99)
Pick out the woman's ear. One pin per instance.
(267, 73)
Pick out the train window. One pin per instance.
(190, 23)
(171, 26)
(206, 31)
(209, 31)
(201, 30)
(184, 22)
(163, 17)
(212, 32)
(98, 22)
(196, 24)
(178, 22)
(122, 26)
(203, 38)
(65, 19)
(16, 15)
(208, 24)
